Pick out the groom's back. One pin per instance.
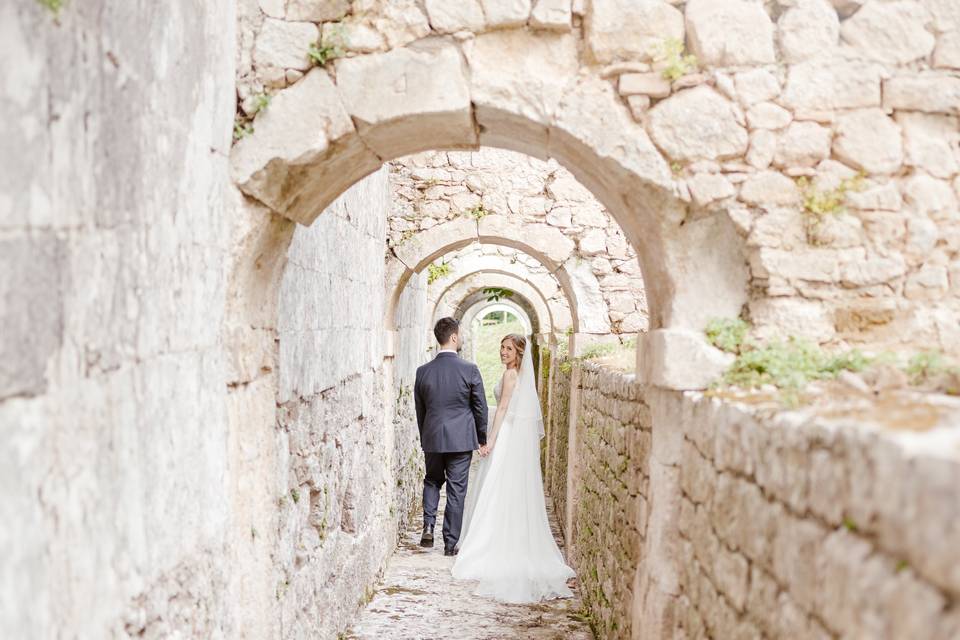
(451, 408)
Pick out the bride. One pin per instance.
(507, 544)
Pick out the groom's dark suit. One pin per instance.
(452, 418)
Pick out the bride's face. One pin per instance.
(508, 353)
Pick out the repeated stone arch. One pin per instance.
(520, 90)
(450, 302)
(481, 308)
(546, 244)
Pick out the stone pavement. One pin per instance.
(418, 599)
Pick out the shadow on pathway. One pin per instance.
(419, 599)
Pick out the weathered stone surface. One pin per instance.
(677, 359)
(763, 145)
(892, 32)
(869, 140)
(767, 115)
(783, 317)
(433, 96)
(540, 240)
(708, 187)
(925, 194)
(729, 32)
(555, 15)
(945, 14)
(651, 84)
(506, 13)
(302, 130)
(808, 29)
(756, 85)
(874, 270)
(928, 92)
(821, 85)
(517, 82)
(697, 124)
(317, 10)
(284, 44)
(803, 144)
(947, 53)
(450, 17)
(630, 29)
(770, 188)
(931, 142)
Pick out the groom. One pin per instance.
(452, 418)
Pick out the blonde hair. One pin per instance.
(519, 343)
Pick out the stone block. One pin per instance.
(451, 17)
(651, 84)
(284, 44)
(681, 359)
(797, 542)
(769, 188)
(304, 151)
(517, 80)
(947, 53)
(732, 572)
(767, 115)
(506, 13)
(555, 15)
(706, 188)
(930, 92)
(430, 101)
(697, 124)
(617, 30)
(930, 141)
(729, 32)
(820, 85)
(32, 312)
(803, 144)
(869, 140)
(890, 32)
(808, 29)
(317, 10)
(756, 85)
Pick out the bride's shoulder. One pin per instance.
(511, 375)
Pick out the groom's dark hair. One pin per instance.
(445, 328)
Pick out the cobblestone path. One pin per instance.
(418, 599)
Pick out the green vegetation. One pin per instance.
(495, 294)
(818, 204)
(243, 123)
(678, 64)
(328, 48)
(242, 127)
(487, 337)
(261, 101)
(478, 212)
(437, 271)
(727, 334)
(295, 494)
(924, 366)
(53, 6)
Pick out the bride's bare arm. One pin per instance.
(509, 384)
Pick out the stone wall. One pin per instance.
(434, 187)
(612, 494)
(556, 435)
(113, 492)
(726, 520)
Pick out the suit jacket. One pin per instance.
(451, 405)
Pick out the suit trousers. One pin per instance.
(454, 469)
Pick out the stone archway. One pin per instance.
(522, 91)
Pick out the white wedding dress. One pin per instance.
(507, 545)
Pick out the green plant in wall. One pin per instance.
(677, 63)
(495, 294)
(727, 334)
(330, 46)
(818, 204)
(53, 6)
(437, 272)
(478, 212)
(242, 127)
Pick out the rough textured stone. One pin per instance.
(677, 359)
(697, 124)
(808, 29)
(767, 115)
(869, 140)
(892, 32)
(947, 53)
(931, 142)
(771, 188)
(708, 187)
(651, 84)
(630, 29)
(317, 10)
(433, 96)
(803, 144)
(729, 32)
(821, 85)
(555, 15)
(929, 92)
(450, 17)
(757, 85)
(284, 44)
(506, 13)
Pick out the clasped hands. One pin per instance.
(485, 450)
